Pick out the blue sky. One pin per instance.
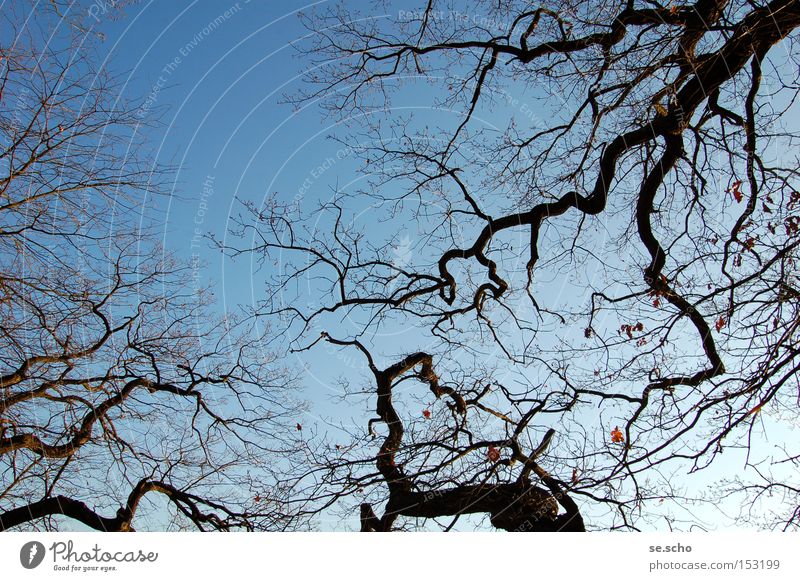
(213, 75)
(214, 89)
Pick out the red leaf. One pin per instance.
(616, 435)
(587, 332)
(427, 414)
(493, 454)
(299, 427)
(257, 498)
(574, 475)
(719, 324)
(734, 189)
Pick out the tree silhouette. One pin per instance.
(115, 381)
(604, 293)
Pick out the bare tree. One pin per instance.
(605, 286)
(115, 380)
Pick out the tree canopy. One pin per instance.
(603, 203)
(117, 382)
(560, 293)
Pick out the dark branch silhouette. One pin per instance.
(605, 282)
